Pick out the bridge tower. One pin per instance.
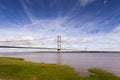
(58, 44)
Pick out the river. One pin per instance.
(81, 62)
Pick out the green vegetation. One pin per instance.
(18, 69)
(98, 74)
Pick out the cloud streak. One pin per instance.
(85, 2)
(27, 11)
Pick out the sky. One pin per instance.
(94, 24)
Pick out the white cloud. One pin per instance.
(85, 2)
(117, 29)
(85, 39)
(29, 38)
(72, 37)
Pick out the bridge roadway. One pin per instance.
(32, 47)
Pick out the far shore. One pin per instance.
(66, 52)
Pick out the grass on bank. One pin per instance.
(18, 69)
(98, 74)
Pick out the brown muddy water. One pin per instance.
(81, 62)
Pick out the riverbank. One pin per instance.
(18, 69)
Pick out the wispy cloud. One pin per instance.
(105, 2)
(72, 36)
(27, 11)
(2, 6)
(117, 29)
(85, 2)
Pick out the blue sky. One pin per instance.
(81, 23)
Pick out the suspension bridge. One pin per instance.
(58, 45)
(57, 42)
